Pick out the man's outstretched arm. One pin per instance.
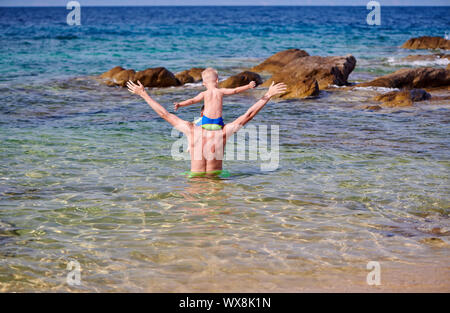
(234, 126)
(174, 120)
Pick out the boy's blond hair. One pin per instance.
(209, 75)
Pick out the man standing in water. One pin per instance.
(206, 147)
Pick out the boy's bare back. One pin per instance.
(213, 100)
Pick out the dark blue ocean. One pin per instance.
(38, 41)
(87, 175)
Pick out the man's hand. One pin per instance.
(252, 84)
(136, 89)
(276, 89)
(176, 105)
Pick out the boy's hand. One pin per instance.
(252, 84)
(276, 89)
(136, 89)
(176, 106)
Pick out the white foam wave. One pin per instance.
(431, 62)
(377, 89)
(336, 86)
(193, 84)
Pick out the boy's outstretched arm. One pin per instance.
(185, 103)
(182, 125)
(234, 126)
(232, 91)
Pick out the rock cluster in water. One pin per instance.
(241, 79)
(161, 77)
(400, 98)
(427, 42)
(151, 77)
(423, 77)
(303, 74)
(409, 80)
(306, 75)
(194, 75)
(277, 61)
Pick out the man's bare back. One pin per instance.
(206, 149)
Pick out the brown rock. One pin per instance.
(395, 99)
(109, 74)
(122, 77)
(427, 42)
(109, 83)
(196, 73)
(305, 88)
(193, 75)
(304, 76)
(277, 61)
(157, 77)
(402, 98)
(152, 77)
(422, 77)
(241, 79)
(184, 77)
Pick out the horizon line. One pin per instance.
(216, 5)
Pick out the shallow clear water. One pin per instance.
(86, 172)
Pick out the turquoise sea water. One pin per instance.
(86, 172)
